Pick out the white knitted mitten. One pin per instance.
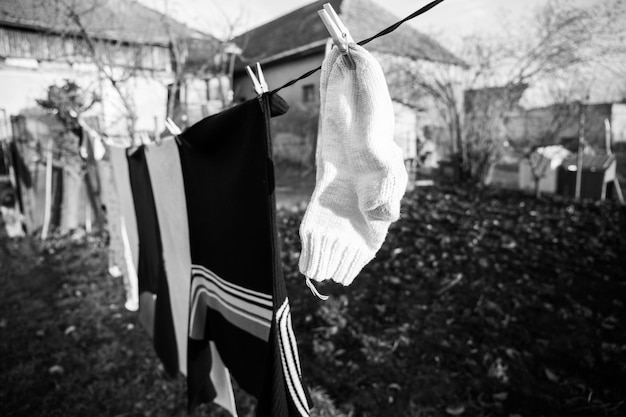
(360, 175)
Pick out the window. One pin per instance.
(308, 93)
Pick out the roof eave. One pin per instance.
(53, 31)
(300, 51)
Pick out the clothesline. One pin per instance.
(366, 41)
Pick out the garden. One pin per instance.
(481, 302)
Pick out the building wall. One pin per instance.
(22, 83)
(148, 95)
(31, 61)
(556, 124)
(278, 74)
(405, 134)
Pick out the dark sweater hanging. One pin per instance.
(238, 295)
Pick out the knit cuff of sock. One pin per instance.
(326, 257)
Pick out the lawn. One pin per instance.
(480, 303)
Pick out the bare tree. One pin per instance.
(559, 43)
(102, 53)
(473, 137)
(119, 61)
(216, 62)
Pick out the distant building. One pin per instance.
(43, 43)
(488, 110)
(495, 113)
(560, 124)
(289, 46)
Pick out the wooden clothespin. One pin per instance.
(339, 32)
(260, 86)
(173, 129)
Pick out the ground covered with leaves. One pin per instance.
(480, 303)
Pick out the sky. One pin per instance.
(449, 21)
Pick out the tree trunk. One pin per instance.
(537, 189)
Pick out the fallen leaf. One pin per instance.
(500, 396)
(455, 410)
(56, 370)
(551, 375)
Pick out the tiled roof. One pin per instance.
(302, 29)
(591, 162)
(122, 20)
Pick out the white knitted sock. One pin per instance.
(360, 175)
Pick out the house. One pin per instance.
(43, 43)
(560, 123)
(125, 54)
(488, 110)
(495, 114)
(486, 113)
(294, 43)
(604, 129)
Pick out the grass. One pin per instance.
(480, 303)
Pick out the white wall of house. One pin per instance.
(405, 134)
(148, 95)
(23, 81)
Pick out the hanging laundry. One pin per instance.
(113, 211)
(155, 310)
(360, 177)
(239, 307)
(128, 225)
(169, 198)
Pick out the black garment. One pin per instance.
(239, 300)
(151, 269)
(23, 179)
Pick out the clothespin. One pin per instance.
(157, 132)
(260, 86)
(173, 129)
(339, 32)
